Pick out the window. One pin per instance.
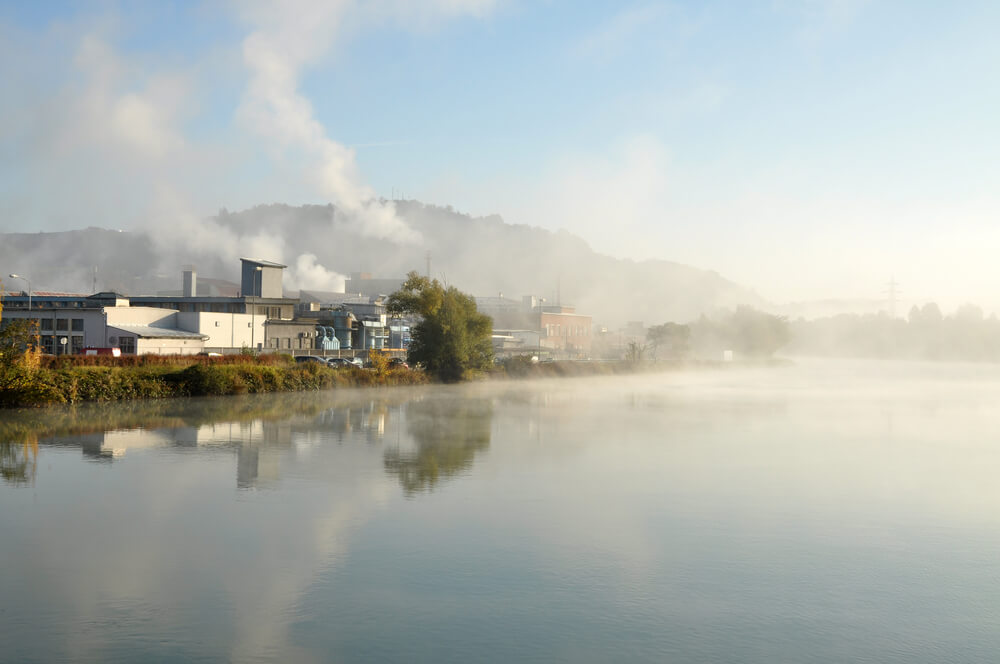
(62, 324)
(76, 344)
(127, 345)
(77, 325)
(47, 344)
(46, 325)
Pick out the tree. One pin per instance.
(20, 357)
(749, 332)
(452, 337)
(758, 334)
(672, 339)
(634, 352)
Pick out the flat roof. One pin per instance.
(151, 332)
(262, 263)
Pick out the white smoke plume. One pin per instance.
(287, 37)
(308, 273)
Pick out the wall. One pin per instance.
(225, 330)
(289, 336)
(89, 323)
(169, 346)
(141, 316)
(265, 282)
(571, 333)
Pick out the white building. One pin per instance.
(68, 324)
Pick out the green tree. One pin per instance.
(749, 332)
(670, 339)
(452, 338)
(20, 356)
(757, 334)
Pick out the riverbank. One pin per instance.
(75, 379)
(523, 368)
(159, 378)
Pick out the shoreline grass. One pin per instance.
(161, 377)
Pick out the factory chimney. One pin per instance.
(190, 282)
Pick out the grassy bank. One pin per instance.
(155, 377)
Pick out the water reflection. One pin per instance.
(446, 434)
(683, 517)
(19, 460)
(430, 438)
(259, 428)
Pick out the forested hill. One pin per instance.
(481, 255)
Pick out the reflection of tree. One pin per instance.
(447, 433)
(85, 425)
(18, 460)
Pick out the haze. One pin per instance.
(806, 150)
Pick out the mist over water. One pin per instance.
(704, 188)
(828, 511)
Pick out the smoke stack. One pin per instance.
(190, 282)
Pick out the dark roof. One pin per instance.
(263, 263)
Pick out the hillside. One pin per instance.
(480, 255)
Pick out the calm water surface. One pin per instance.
(829, 512)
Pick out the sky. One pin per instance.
(807, 149)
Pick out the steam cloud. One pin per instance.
(285, 40)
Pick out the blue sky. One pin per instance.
(806, 148)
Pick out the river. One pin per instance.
(824, 512)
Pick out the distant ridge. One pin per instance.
(484, 256)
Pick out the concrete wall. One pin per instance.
(567, 332)
(289, 336)
(92, 321)
(141, 316)
(169, 346)
(225, 330)
(265, 282)
(95, 325)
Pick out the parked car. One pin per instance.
(344, 362)
(398, 363)
(310, 358)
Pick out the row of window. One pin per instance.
(47, 304)
(61, 324)
(557, 330)
(57, 324)
(51, 344)
(286, 342)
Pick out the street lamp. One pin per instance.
(17, 276)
